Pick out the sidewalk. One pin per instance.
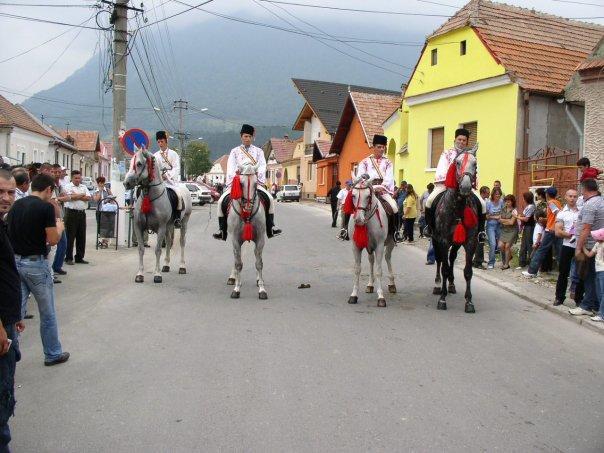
(539, 291)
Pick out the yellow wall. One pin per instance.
(452, 68)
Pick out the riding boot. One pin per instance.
(270, 226)
(221, 234)
(429, 213)
(398, 236)
(482, 219)
(344, 231)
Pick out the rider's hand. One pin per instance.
(20, 326)
(4, 344)
(365, 176)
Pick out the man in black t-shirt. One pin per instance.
(333, 199)
(31, 226)
(10, 312)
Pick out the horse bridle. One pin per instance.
(370, 206)
(464, 173)
(247, 204)
(147, 186)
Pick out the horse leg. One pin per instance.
(169, 243)
(231, 279)
(437, 279)
(467, 273)
(442, 303)
(451, 279)
(370, 284)
(161, 235)
(258, 251)
(237, 270)
(388, 257)
(379, 256)
(138, 231)
(353, 299)
(183, 240)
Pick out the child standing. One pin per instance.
(598, 252)
(587, 171)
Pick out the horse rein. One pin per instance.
(247, 204)
(146, 187)
(463, 171)
(370, 207)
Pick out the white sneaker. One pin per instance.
(518, 268)
(491, 266)
(578, 311)
(527, 274)
(597, 318)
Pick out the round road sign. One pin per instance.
(133, 140)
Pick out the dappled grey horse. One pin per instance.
(369, 230)
(456, 214)
(153, 211)
(246, 221)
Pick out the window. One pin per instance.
(434, 57)
(462, 47)
(473, 128)
(321, 176)
(353, 167)
(309, 171)
(436, 140)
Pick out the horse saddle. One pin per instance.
(387, 207)
(226, 202)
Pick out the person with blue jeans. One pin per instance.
(430, 257)
(31, 226)
(59, 196)
(597, 253)
(494, 206)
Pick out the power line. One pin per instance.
(191, 7)
(46, 5)
(579, 3)
(46, 21)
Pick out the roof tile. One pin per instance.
(85, 141)
(373, 109)
(16, 116)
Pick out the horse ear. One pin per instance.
(474, 149)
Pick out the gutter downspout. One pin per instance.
(525, 144)
(575, 124)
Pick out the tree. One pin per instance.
(197, 159)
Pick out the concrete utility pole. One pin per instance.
(119, 19)
(181, 105)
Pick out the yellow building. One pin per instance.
(499, 71)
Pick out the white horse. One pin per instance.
(369, 230)
(153, 211)
(246, 221)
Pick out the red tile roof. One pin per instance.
(591, 64)
(222, 161)
(12, 115)
(283, 148)
(86, 141)
(324, 146)
(373, 109)
(539, 50)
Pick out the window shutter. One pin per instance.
(437, 145)
(473, 128)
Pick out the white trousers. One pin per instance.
(271, 209)
(440, 188)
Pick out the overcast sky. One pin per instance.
(54, 62)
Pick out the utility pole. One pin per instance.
(119, 19)
(181, 105)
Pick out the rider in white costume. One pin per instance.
(247, 153)
(169, 166)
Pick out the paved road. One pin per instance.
(181, 367)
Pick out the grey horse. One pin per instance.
(449, 211)
(248, 209)
(368, 212)
(145, 173)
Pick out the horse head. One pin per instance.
(362, 198)
(465, 170)
(248, 175)
(143, 170)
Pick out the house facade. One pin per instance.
(88, 147)
(279, 153)
(499, 71)
(217, 174)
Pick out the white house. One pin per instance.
(217, 173)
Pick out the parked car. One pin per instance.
(199, 195)
(289, 192)
(89, 183)
(213, 192)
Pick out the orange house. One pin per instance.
(361, 119)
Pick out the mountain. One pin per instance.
(240, 73)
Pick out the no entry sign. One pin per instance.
(133, 140)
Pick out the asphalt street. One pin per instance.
(179, 366)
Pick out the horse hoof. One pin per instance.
(235, 295)
(157, 279)
(437, 290)
(392, 289)
(231, 281)
(442, 305)
(438, 280)
(182, 270)
(165, 269)
(353, 299)
(452, 289)
(381, 303)
(262, 295)
(369, 289)
(470, 307)
(139, 279)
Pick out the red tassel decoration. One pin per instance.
(348, 205)
(451, 179)
(459, 235)
(236, 191)
(360, 237)
(146, 205)
(470, 220)
(248, 232)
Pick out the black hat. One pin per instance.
(159, 135)
(247, 129)
(463, 132)
(380, 140)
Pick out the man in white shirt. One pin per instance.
(169, 162)
(75, 218)
(564, 228)
(22, 181)
(247, 153)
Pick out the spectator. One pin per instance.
(497, 184)
(539, 230)
(587, 171)
(60, 197)
(75, 218)
(105, 213)
(549, 240)
(64, 177)
(31, 225)
(494, 207)
(509, 230)
(410, 212)
(478, 259)
(333, 199)
(591, 218)
(564, 228)
(400, 196)
(10, 312)
(422, 207)
(527, 221)
(597, 253)
(22, 181)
